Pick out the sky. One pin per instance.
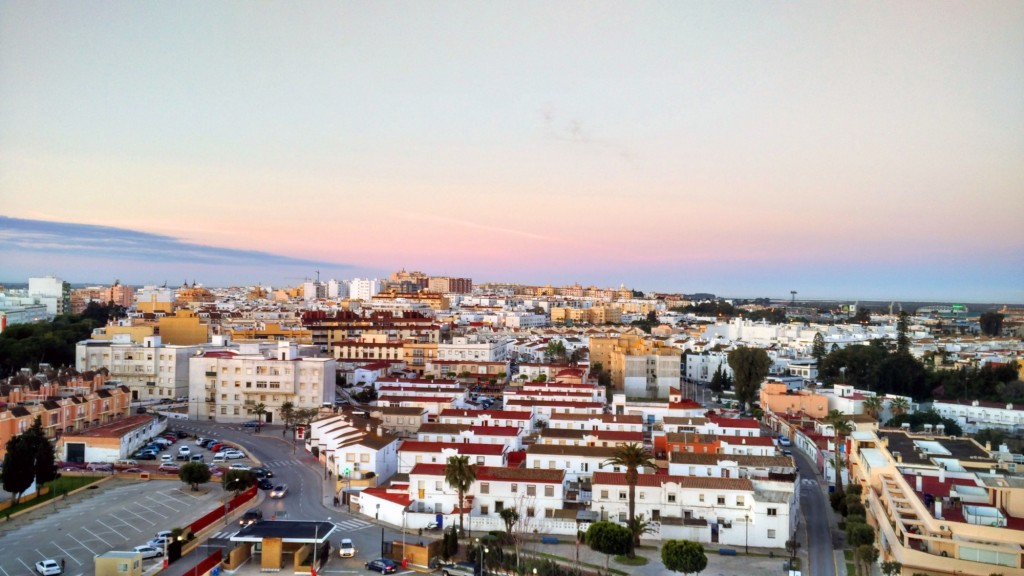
(868, 150)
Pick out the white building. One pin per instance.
(475, 347)
(413, 452)
(729, 511)
(151, 370)
(226, 385)
(352, 450)
(52, 292)
(360, 289)
(975, 415)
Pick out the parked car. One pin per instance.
(48, 567)
(185, 450)
(195, 458)
(140, 410)
(216, 447)
(127, 463)
(346, 549)
(460, 569)
(382, 565)
(159, 542)
(200, 441)
(168, 467)
(251, 424)
(262, 472)
(99, 466)
(279, 491)
(254, 515)
(166, 458)
(148, 551)
(145, 456)
(231, 454)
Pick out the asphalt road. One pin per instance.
(815, 514)
(309, 497)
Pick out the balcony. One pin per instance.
(211, 374)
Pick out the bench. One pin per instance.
(549, 540)
(726, 552)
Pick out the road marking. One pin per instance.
(6, 573)
(66, 553)
(29, 568)
(121, 520)
(148, 509)
(80, 543)
(95, 536)
(144, 519)
(155, 501)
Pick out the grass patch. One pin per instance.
(58, 488)
(850, 567)
(636, 561)
(568, 561)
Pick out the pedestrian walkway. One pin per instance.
(224, 534)
(352, 525)
(283, 463)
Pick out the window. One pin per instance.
(122, 567)
(585, 467)
(622, 495)
(721, 500)
(671, 498)
(531, 490)
(531, 511)
(437, 486)
(551, 465)
(641, 497)
(485, 488)
(484, 510)
(771, 534)
(773, 512)
(604, 494)
(480, 460)
(739, 500)
(549, 491)
(701, 497)
(364, 457)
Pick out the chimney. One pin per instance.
(942, 474)
(368, 427)
(380, 430)
(988, 445)
(918, 483)
(938, 508)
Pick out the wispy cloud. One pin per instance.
(65, 238)
(573, 130)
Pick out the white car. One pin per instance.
(148, 551)
(232, 454)
(237, 466)
(279, 491)
(346, 549)
(159, 542)
(166, 458)
(184, 451)
(48, 567)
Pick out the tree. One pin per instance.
(509, 516)
(873, 406)
(555, 350)
(609, 538)
(859, 534)
(238, 480)
(449, 544)
(866, 556)
(818, 348)
(902, 339)
(288, 413)
(892, 568)
(792, 546)
(259, 410)
(991, 323)
(899, 406)
(19, 469)
(749, 368)
(683, 556)
(841, 425)
(917, 420)
(632, 456)
(194, 474)
(460, 475)
(719, 381)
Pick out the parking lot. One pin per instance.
(117, 515)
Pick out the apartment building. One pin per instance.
(226, 385)
(522, 420)
(151, 370)
(975, 415)
(641, 367)
(64, 406)
(353, 448)
(940, 506)
(509, 436)
(533, 493)
(475, 347)
(52, 292)
(578, 462)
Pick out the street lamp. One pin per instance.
(746, 533)
(316, 542)
(381, 532)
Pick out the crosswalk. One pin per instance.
(283, 463)
(352, 525)
(224, 534)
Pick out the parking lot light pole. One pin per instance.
(746, 533)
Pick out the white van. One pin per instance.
(220, 457)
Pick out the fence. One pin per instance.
(222, 511)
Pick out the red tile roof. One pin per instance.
(747, 440)
(736, 422)
(391, 496)
(497, 473)
(493, 414)
(460, 447)
(495, 430)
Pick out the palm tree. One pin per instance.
(287, 413)
(899, 406)
(632, 457)
(460, 475)
(842, 428)
(259, 410)
(873, 406)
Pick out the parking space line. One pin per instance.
(66, 553)
(143, 518)
(121, 520)
(108, 526)
(164, 504)
(6, 573)
(95, 536)
(82, 544)
(27, 567)
(148, 509)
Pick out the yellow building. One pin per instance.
(564, 315)
(775, 397)
(118, 564)
(183, 329)
(273, 332)
(641, 361)
(940, 505)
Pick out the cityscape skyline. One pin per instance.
(845, 152)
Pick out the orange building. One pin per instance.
(690, 442)
(777, 398)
